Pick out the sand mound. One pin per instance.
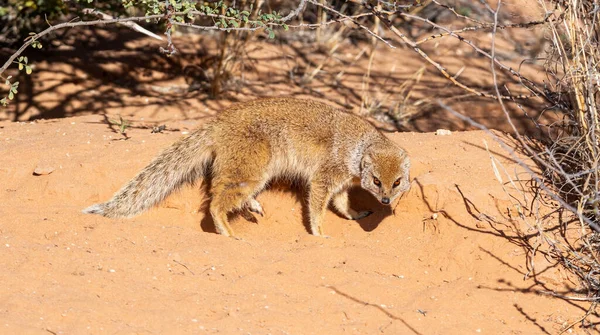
(446, 260)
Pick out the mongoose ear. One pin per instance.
(366, 162)
(406, 164)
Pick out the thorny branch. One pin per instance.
(169, 15)
(583, 263)
(387, 18)
(386, 21)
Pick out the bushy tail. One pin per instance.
(183, 162)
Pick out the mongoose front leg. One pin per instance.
(318, 200)
(342, 205)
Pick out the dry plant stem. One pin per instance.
(511, 152)
(592, 224)
(63, 25)
(575, 44)
(295, 12)
(486, 26)
(522, 164)
(526, 82)
(70, 25)
(418, 9)
(416, 48)
(216, 81)
(589, 311)
(376, 25)
(455, 13)
(361, 26)
(331, 21)
(321, 17)
(131, 25)
(566, 297)
(365, 84)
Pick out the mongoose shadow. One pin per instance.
(363, 200)
(360, 200)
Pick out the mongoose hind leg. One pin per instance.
(238, 175)
(230, 194)
(342, 205)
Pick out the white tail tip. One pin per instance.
(94, 209)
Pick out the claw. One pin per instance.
(254, 206)
(363, 215)
(259, 212)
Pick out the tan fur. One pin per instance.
(251, 143)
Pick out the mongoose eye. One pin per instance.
(397, 182)
(376, 181)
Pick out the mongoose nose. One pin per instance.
(385, 201)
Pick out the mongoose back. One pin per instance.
(251, 143)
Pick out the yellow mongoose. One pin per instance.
(249, 144)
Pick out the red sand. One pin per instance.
(428, 267)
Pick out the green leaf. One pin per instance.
(20, 66)
(28, 69)
(25, 59)
(11, 95)
(271, 34)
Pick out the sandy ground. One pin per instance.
(451, 257)
(437, 263)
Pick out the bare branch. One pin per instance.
(129, 24)
(488, 27)
(522, 164)
(361, 26)
(527, 83)
(416, 48)
(31, 39)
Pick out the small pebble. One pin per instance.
(43, 170)
(442, 132)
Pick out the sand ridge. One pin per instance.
(434, 264)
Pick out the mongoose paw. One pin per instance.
(255, 207)
(257, 211)
(362, 215)
(320, 234)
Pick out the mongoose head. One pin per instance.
(385, 173)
